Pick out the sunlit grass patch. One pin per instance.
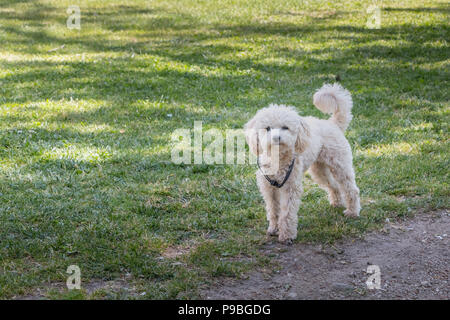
(77, 153)
(392, 150)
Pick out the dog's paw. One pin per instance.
(351, 213)
(336, 201)
(337, 204)
(285, 240)
(271, 231)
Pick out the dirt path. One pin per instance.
(413, 257)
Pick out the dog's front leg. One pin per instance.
(271, 200)
(272, 208)
(288, 219)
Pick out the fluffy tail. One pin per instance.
(336, 100)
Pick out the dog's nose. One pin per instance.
(276, 135)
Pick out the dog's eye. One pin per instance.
(285, 128)
(268, 128)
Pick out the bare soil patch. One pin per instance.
(413, 257)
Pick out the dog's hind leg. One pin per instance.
(321, 174)
(345, 176)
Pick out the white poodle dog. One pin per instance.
(286, 145)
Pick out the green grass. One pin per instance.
(85, 174)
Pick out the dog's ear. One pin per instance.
(303, 137)
(251, 135)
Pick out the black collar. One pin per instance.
(275, 183)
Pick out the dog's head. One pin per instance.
(277, 125)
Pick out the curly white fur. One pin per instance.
(335, 100)
(277, 134)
